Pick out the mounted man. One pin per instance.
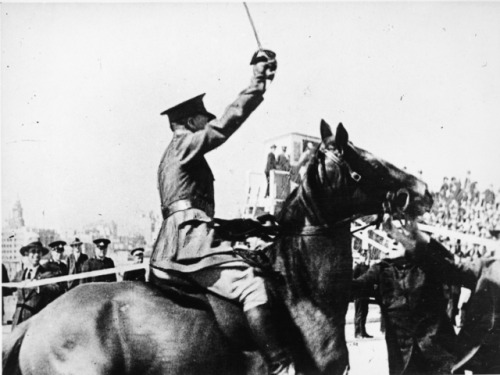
(185, 248)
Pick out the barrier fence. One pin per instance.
(58, 279)
(362, 235)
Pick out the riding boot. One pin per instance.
(265, 335)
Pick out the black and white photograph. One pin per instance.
(275, 188)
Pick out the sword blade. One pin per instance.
(253, 26)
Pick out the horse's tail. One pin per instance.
(11, 348)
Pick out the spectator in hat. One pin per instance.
(30, 301)
(283, 163)
(100, 262)
(76, 261)
(270, 165)
(140, 274)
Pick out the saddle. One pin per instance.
(264, 227)
(227, 314)
(251, 239)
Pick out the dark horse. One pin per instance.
(134, 328)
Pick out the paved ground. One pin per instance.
(367, 356)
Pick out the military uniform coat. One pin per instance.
(478, 344)
(94, 264)
(31, 301)
(419, 334)
(74, 267)
(186, 239)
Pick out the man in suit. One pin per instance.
(75, 262)
(136, 275)
(270, 165)
(30, 301)
(100, 262)
(185, 247)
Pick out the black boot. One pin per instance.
(264, 333)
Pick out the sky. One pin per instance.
(83, 86)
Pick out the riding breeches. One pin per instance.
(235, 281)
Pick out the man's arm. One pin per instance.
(219, 130)
(434, 256)
(430, 254)
(51, 290)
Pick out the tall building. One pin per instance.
(12, 241)
(15, 235)
(17, 219)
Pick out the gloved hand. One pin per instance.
(264, 62)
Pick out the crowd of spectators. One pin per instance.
(460, 206)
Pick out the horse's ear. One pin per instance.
(326, 131)
(341, 137)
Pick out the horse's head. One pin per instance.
(347, 182)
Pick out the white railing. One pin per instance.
(362, 235)
(78, 276)
(464, 238)
(467, 238)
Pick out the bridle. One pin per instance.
(395, 203)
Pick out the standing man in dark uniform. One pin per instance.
(31, 301)
(76, 261)
(270, 165)
(136, 275)
(57, 250)
(185, 246)
(360, 304)
(56, 264)
(100, 262)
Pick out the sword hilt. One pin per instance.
(262, 55)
